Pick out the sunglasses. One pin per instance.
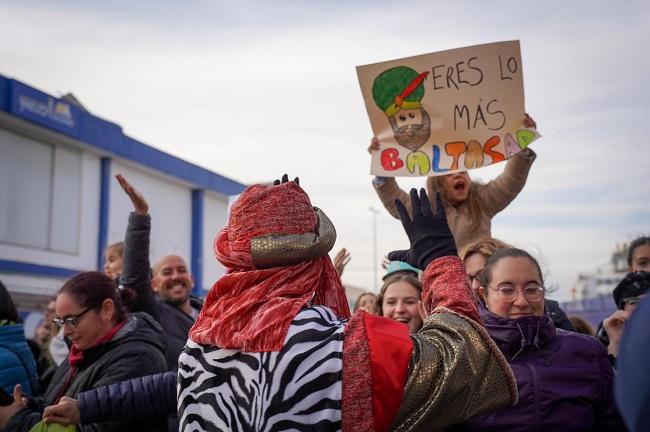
(71, 320)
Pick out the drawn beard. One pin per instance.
(412, 137)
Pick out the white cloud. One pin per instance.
(254, 89)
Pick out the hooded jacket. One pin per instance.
(564, 379)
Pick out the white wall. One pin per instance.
(215, 217)
(71, 198)
(170, 206)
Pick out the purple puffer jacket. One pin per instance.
(564, 379)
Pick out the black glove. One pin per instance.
(285, 179)
(429, 234)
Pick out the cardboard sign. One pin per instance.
(445, 112)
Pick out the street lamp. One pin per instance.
(374, 212)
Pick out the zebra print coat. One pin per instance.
(297, 388)
(361, 374)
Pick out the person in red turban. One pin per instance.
(275, 347)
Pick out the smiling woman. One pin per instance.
(399, 299)
(564, 375)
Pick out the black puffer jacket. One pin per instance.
(560, 320)
(137, 349)
(136, 275)
(144, 398)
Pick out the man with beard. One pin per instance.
(398, 92)
(173, 283)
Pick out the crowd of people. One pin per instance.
(460, 337)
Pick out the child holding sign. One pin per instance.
(470, 205)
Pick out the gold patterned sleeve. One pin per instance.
(456, 372)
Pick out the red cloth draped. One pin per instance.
(251, 309)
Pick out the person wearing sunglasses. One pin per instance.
(108, 345)
(564, 378)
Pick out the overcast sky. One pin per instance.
(253, 89)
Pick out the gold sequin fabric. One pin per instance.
(456, 372)
(279, 250)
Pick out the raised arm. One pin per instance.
(386, 187)
(456, 371)
(433, 249)
(136, 272)
(498, 193)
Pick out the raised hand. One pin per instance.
(341, 259)
(17, 404)
(374, 145)
(139, 203)
(428, 233)
(285, 179)
(614, 326)
(529, 122)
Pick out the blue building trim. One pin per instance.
(197, 241)
(104, 202)
(28, 103)
(36, 269)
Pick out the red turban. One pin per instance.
(250, 309)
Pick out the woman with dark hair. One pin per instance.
(564, 378)
(638, 255)
(108, 346)
(475, 255)
(17, 365)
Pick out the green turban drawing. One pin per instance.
(398, 92)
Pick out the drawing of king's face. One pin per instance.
(411, 128)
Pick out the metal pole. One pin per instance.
(374, 247)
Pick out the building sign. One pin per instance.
(38, 107)
(448, 111)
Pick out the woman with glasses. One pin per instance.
(475, 255)
(564, 378)
(108, 345)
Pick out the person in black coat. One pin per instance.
(108, 346)
(174, 307)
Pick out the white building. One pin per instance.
(60, 204)
(605, 278)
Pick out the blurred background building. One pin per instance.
(592, 293)
(60, 204)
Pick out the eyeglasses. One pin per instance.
(72, 321)
(509, 293)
